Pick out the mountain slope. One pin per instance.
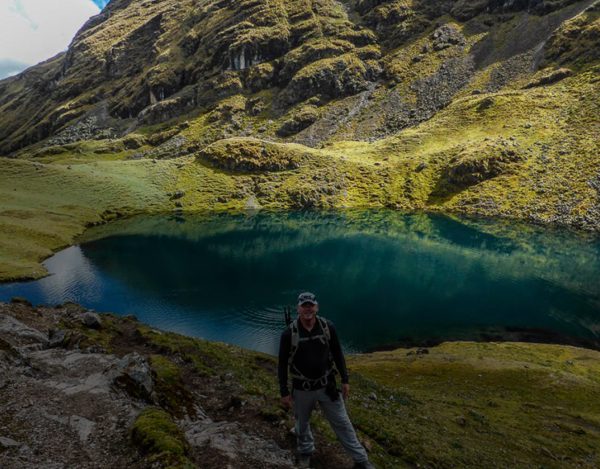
(152, 61)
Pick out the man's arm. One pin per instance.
(285, 344)
(338, 355)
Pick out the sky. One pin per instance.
(32, 31)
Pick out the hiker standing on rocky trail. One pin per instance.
(309, 349)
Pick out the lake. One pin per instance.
(384, 278)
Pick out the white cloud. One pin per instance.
(32, 31)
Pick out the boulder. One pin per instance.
(299, 121)
(134, 375)
(133, 142)
(550, 77)
(178, 194)
(236, 444)
(19, 334)
(472, 168)
(82, 426)
(56, 338)
(21, 301)
(91, 320)
(252, 203)
(446, 36)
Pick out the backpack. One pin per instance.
(324, 337)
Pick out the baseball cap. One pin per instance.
(307, 297)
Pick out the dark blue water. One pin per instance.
(384, 278)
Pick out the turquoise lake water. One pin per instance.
(384, 278)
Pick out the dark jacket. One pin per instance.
(312, 358)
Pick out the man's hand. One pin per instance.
(287, 401)
(345, 390)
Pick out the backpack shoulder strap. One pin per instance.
(295, 339)
(325, 328)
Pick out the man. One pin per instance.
(309, 348)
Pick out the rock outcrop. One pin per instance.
(75, 404)
(249, 154)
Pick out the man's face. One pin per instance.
(307, 310)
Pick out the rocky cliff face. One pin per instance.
(140, 62)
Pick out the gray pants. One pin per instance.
(335, 413)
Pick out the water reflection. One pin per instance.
(383, 277)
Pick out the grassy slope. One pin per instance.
(484, 405)
(45, 205)
(552, 129)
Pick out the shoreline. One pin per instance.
(461, 217)
(534, 336)
(496, 335)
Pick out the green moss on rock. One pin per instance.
(155, 433)
(333, 77)
(299, 120)
(250, 154)
(479, 164)
(547, 77)
(170, 389)
(577, 41)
